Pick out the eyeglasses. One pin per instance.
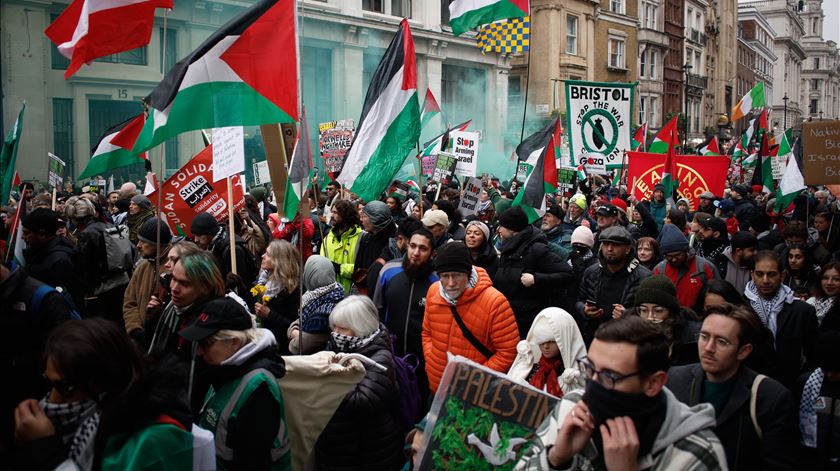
(65, 388)
(656, 315)
(720, 342)
(606, 378)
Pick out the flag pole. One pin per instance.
(230, 226)
(53, 198)
(301, 128)
(161, 168)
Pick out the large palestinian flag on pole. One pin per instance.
(244, 74)
(667, 137)
(300, 168)
(430, 108)
(541, 148)
(389, 126)
(465, 15)
(109, 153)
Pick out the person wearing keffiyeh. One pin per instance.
(820, 402)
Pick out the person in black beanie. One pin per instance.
(49, 258)
(144, 281)
(211, 236)
(529, 271)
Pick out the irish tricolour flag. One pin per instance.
(465, 15)
(108, 154)
(752, 100)
(390, 123)
(244, 74)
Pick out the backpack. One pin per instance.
(42, 291)
(405, 372)
(119, 256)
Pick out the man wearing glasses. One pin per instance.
(626, 419)
(755, 414)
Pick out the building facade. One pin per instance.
(616, 29)
(759, 36)
(820, 78)
(343, 41)
(721, 65)
(697, 75)
(672, 74)
(653, 48)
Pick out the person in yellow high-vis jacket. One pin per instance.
(341, 243)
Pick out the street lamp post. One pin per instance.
(686, 67)
(785, 99)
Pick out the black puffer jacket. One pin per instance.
(283, 309)
(528, 252)
(487, 259)
(55, 264)
(363, 432)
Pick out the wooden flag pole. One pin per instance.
(230, 226)
(275, 154)
(53, 198)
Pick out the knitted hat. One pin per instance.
(142, 202)
(742, 190)
(683, 201)
(555, 211)
(204, 224)
(659, 187)
(743, 240)
(616, 235)
(619, 203)
(579, 199)
(583, 235)
(453, 257)
(757, 188)
(433, 217)
(514, 219)
(122, 205)
(148, 232)
(482, 227)
(659, 290)
(41, 221)
(274, 218)
(379, 214)
(258, 193)
(671, 239)
(78, 208)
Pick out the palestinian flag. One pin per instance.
(441, 142)
(669, 171)
(89, 29)
(666, 138)
(792, 182)
(244, 74)
(389, 126)
(465, 15)
(8, 155)
(763, 174)
(106, 155)
(300, 168)
(542, 148)
(430, 109)
(711, 147)
(639, 137)
(752, 100)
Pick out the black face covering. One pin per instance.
(647, 413)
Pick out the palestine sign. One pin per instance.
(599, 117)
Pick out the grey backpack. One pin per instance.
(119, 256)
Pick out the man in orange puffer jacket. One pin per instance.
(483, 310)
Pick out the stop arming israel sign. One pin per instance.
(599, 116)
(465, 147)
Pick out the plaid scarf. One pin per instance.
(768, 309)
(76, 423)
(351, 344)
(808, 409)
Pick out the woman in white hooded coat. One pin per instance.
(547, 358)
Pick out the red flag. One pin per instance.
(127, 136)
(89, 29)
(695, 173)
(16, 180)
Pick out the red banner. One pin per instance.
(695, 173)
(191, 190)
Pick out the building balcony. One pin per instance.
(697, 81)
(696, 36)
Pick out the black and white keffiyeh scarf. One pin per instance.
(351, 344)
(768, 309)
(76, 423)
(808, 408)
(822, 306)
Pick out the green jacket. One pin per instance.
(342, 251)
(500, 203)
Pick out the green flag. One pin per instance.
(8, 155)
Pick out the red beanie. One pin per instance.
(758, 188)
(619, 203)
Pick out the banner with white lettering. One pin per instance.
(600, 116)
(469, 200)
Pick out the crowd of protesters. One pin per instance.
(695, 335)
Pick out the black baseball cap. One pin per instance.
(608, 210)
(218, 314)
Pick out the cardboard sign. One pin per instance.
(428, 163)
(469, 200)
(261, 174)
(334, 139)
(444, 167)
(465, 147)
(228, 152)
(56, 170)
(599, 119)
(191, 190)
(481, 419)
(821, 152)
(696, 174)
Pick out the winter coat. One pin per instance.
(777, 448)
(796, 339)
(290, 231)
(559, 241)
(648, 227)
(135, 222)
(402, 300)
(527, 252)
(569, 341)
(363, 434)
(590, 289)
(254, 238)
(283, 310)
(369, 250)
(658, 211)
(246, 266)
(341, 250)
(487, 258)
(55, 264)
(732, 272)
(91, 249)
(745, 211)
(689, 281)
(485, 312)
(143, 284)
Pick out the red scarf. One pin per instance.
(545, 378)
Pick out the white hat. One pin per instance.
(434, 217)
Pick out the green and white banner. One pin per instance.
(600, 120)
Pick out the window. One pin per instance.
(616, 53)
(617, 6)
(653, 103)
(444, 12)
(59, 62)
(373, 5)
(317, 74)
(63, 132)
(571, 34)
(812, 108)
(132, 57)
(817, 63)
(401, 8)
(815, 85)
(642, 102)
(651, 13)
(465, 102)
(652, 64)
(688, 17)
(103, 114)
(171, 49)
(643, 63)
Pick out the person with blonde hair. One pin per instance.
(278, 306)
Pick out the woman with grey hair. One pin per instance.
(363, 433)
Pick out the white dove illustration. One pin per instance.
(489, 451)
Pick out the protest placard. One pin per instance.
(469, 200)
(228, 152)
(566, 179)
(56, 170)
(821, 152)
(599, 119)
(334, 139)
(465, 148)
(261, 173)
(428, 163)
(481, 419)
(444, 167)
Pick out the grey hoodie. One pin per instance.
(735, 274)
